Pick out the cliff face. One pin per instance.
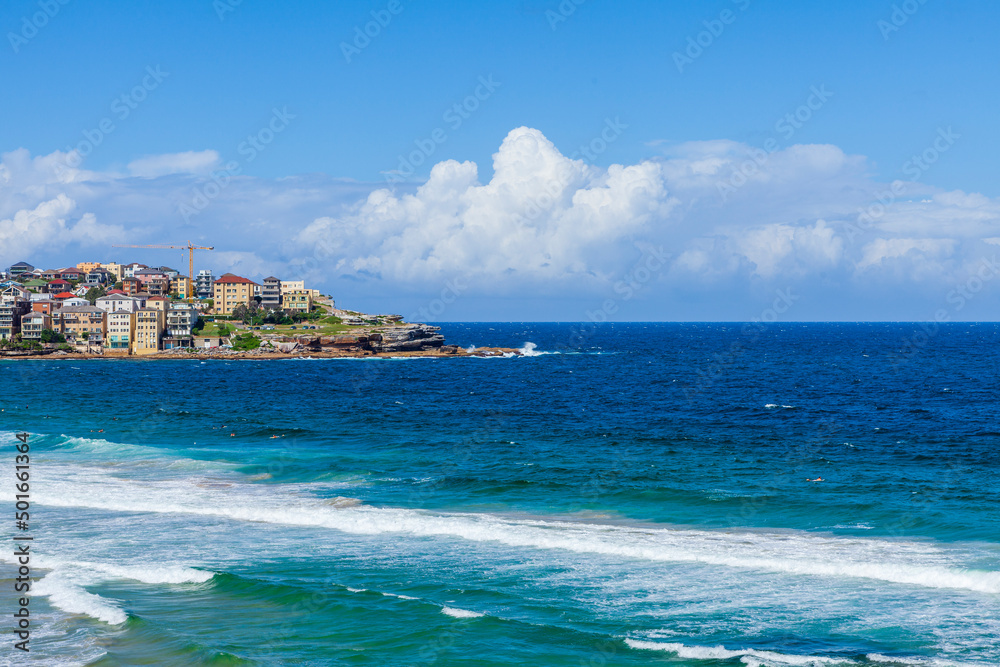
(406, 338)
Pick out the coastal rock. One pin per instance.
(409, 338)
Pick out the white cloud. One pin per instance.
(543, 217)
(734, 219)
(189, 162)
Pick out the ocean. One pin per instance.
(623, 494)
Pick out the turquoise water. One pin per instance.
(630, 494)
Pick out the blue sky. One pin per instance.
(885, 82)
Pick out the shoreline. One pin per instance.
(433, 353)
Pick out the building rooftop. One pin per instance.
(229, 278)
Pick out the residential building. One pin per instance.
(32, 325)
(271, 294)
(13, 305)
(131, 285)
(100, 276)
(204, 284)
(36, 284)
(74, 301)
(181, 286)
(121, 332)
(158, 302)
(16, 270)
(50, 274)
(45, 307)
(72, 273)
(87, 267)
(115, 268)
(58, 285)
(62, 296)
(170, 273)
(128, 271)
(181, 319)
(75, 321)
(297, 301)
(149, 325)
(118, 302)
(292, 286)
(157, 286)
(141, 297)
(231, 291)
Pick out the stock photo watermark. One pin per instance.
(786, 126)
(33, 23)
(454, 117)
(363, 35)
(915, 168)
(121, 108)
(249, 149)
(702, 41)
(900, 16)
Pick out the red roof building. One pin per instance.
(64, 295)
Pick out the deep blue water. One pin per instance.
(630, 494)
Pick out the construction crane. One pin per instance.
(190, 248)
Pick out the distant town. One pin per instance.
(135, 309)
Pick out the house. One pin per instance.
(100, 276)
(271, 294)
(231, 291)
(206, 341)
(71, 274)
(32, 325)
(76, 321)
(203, 284)
(121, 332)
(62, 296)
(149, 326)
(58, 285)
(36, 284)
(297, 301)
(20, 268)
(112, 303)
(112, 292)
(50, 274)
(169, 273)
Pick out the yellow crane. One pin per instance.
(190, 248)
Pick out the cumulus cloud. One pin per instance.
(733, 219)
(543, 218)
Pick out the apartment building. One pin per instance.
(230, 291)
(75, 321)
(149, 326)
(32, 325)
(121, 332)
(271, 293)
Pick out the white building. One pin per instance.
(116, 302)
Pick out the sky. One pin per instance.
(574, 160)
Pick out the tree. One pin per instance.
(93, 294)
(241, 312)
(50, 336)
